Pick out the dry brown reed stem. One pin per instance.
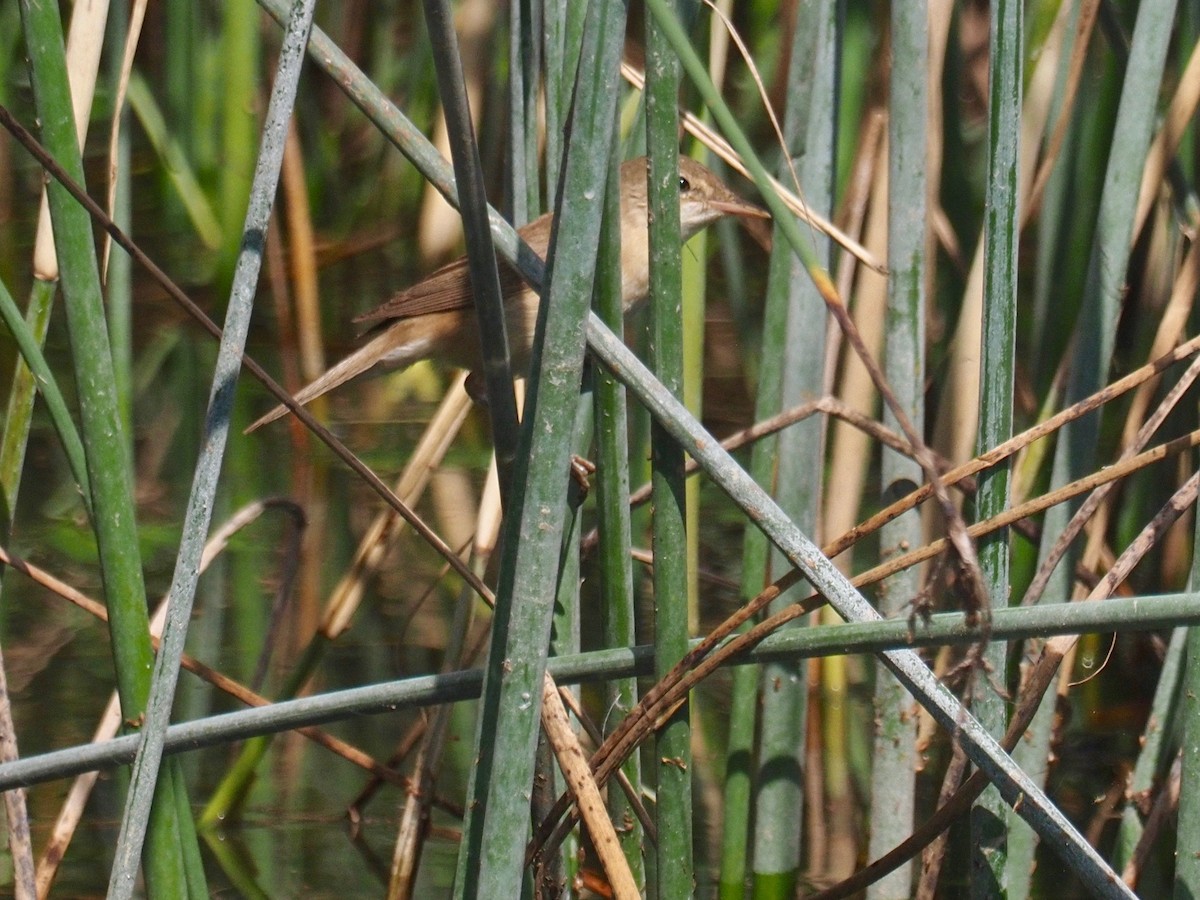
(940, 16)
(388, 525)
(70, 813)
(413, 825)
(1038, 679)
(586, 793)
(285, 323)
(596, 736)
(856, 203)
(20, 842)
(408, 741)
(1172, 325)
(302, 257)
(850, 447)
(851, 453)
(1175, 124)
(1080, 45)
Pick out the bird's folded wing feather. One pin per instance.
(449, 288)
(446, 290)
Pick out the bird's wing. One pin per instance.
(446, 290)
(449, 288)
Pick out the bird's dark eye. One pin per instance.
(684, 185)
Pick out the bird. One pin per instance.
(435, 318)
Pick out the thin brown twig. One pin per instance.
(933, 856)
(710, 653)
(1032, 507)
(1080, 43)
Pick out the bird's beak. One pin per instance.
(738, 207)
(750, 217)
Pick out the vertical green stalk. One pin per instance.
(554, 43)
(1001, 236)
(561, 52)
(113, 518)
(612, 511)
(524, 72)
(672, 750)
(182, 46)
(565, 633)
(793, 363)
(240, 52)
(481, 253)
(17, 428)
(895, 754)
(1187, 865)
(118, 277)
(563, 30)
(738, 793)
(19, 413)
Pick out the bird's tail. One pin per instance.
(353, 365)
